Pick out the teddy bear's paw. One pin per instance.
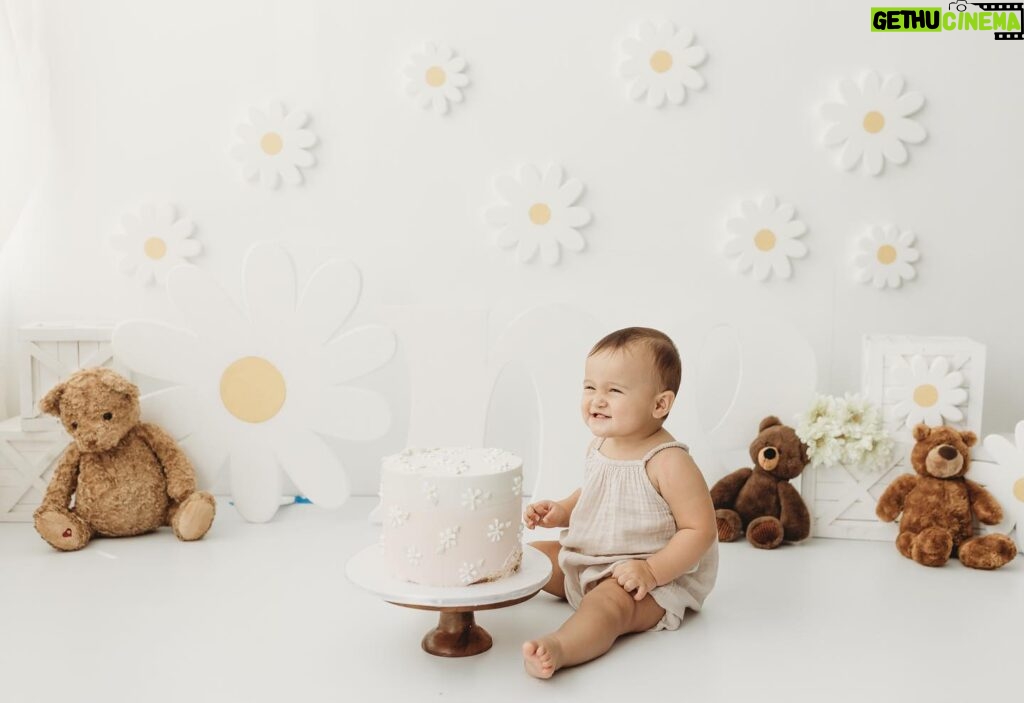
(765, 532)
(194, 517)
(932, 547)
(62, 529)
(730, 526)
(988, 552)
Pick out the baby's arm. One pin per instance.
(682, 486)
(551, 513)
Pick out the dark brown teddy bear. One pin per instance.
(938, 504)
(127, 477)
(761, 500)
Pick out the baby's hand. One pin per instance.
(637, 576)
(546, 513)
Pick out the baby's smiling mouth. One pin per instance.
(600, 416)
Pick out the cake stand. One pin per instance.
(456, 634)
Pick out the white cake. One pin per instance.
(452, 516)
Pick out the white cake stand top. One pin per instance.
(369, 571)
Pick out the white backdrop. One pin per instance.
(137, 102)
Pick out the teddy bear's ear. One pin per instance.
(770, 421)
(50, 404)
(116, 382)
(969, 438)
(921, 432)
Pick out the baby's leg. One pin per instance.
(607, 611)
(556, 584)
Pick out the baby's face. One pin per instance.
(620, 393)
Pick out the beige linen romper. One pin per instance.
(620, 516)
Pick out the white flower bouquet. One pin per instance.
(846, 430)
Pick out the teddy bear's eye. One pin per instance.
(74, 425)
(108, 416)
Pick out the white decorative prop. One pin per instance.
(154, 241)
(26, 464)
(871, 122)
(436, 77)
(549, 344)
(538, 213)
(1004, 477)
(885, 257)
(274, 145)
(50, 353)
(258, 387)
(764, 238)
(842, 499)
(450, 513)
(660, 64)
(935, 380)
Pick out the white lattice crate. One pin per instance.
(50, 352)
(27, 460)
(842, 501)
(936, 378)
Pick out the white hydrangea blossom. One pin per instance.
(496, 530)
(846, 430)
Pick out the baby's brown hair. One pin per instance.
(662, 349)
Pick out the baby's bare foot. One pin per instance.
(543, 657)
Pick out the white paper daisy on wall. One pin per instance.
(928, 393)
(258, 387)
(436, 77)
(871, 122)
(660, 64)
(885, 257)
(153, 241)
(274, 145)
(764, 238)
(538, 213)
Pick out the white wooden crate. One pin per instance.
(842, 501)
(27, 460)
(50, 353)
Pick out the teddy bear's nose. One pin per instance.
(947, 452)
(769, 453)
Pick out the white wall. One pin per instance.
(145, 96)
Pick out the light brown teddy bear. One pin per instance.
(938, 504)
(761, 501)
(127, 477)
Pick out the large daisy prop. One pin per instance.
(764, 238)
(871, 122)
(538, 213)
(886, 257)
(1005, 479)
(274, 145)
(928, 393)
(436, 77)
(154, 241)
(258, 387)
(660, 64)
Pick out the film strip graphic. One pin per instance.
(999, 6)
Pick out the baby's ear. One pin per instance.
(50, 404)
(921, 432)
(969, 438)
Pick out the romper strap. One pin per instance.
(595, 444)
(666, 445)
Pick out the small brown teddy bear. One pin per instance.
(127, 477)
(761, 500)
(938, 504)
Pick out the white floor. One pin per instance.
(265, 613)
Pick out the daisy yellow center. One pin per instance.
(926, 395)
(874, 121)
(540, 214)
(436, 76)
(886, 254)
(252, 389)
(271, 143)
(661, 61)
(155, 248)
(1018, 490)
(764, 240)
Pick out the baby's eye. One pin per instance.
(616, 390)
(588, 388)
(108, 416)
